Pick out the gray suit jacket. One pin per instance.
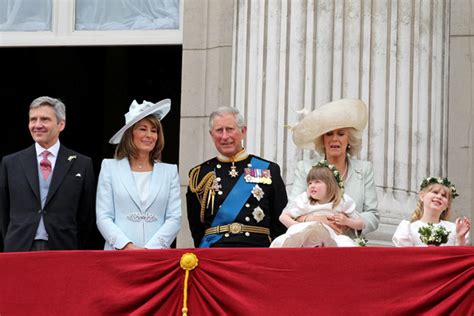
(359, 186)
(68, 212)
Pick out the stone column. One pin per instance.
(461, 106)
(289, 55)
(411, 61)
(206, 79)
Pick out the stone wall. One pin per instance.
(410, 61)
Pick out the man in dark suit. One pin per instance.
(47, 191)
(234, 199)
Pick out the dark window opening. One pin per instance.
(97, 85)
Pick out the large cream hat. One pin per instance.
(138, 111)
(337, 114)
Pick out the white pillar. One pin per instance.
(206, 78)
(391, 54)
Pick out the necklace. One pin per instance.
(138, 164)
(344, 174)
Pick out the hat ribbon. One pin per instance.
(136, 109)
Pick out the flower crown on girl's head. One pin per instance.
(437, 180)
(337, 175)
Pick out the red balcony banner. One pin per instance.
(307, 281)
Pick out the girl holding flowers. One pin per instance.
(429, 225)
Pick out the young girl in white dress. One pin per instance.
(431, 214)
(324, 200)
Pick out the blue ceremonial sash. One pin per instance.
(233, 203)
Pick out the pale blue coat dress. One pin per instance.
(123, 218)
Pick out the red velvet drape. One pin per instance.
(324, 281)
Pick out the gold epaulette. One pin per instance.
(201, 188)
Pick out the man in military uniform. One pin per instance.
(234, 199)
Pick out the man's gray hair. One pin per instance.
(223, 110)
(56, 104)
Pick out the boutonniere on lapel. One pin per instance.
(71, 158)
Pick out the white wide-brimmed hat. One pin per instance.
(138, 111)
(330, 116)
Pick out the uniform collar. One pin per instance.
(241, 155)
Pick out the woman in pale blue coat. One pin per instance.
(138, 197)
(334, 130)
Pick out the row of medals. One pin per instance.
(250, 176)
(253, 175)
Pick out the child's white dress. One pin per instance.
(313, 234)
(407, 234)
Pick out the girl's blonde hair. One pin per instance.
(418, 213)
(127, 149)
(324, 174)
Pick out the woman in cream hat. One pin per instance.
(138, 198)
(334, 130)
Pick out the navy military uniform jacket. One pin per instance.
(263, 213)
